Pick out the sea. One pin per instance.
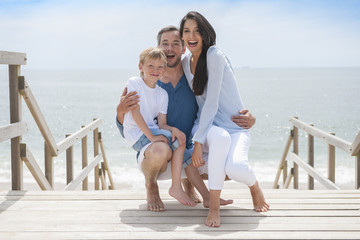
(329, 98)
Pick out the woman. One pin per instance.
(211, 77)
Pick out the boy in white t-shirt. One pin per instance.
(140, 126)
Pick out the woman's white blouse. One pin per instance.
(221, 99)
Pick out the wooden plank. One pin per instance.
(13, 130)
(295, 170)
(107, 168)
(355, 146)
(15, 116)
(310, 159)
(84, 160)
(85, 172)
(49, 164)
(69, 163)
(77, 136)
(328, 138)
(12, 58)
(34, 108)
(313, 172)
(208, 234)
(331, 162)
(282, 160)
(96, 152)
(34, 168)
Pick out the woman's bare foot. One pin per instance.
(213, 218)
(153, 199)
(258, 198)
(223, 202)
(181, 196)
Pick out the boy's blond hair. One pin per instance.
(152, 53)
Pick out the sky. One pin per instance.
(109, 34)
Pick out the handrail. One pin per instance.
(34, 108)
(332, 141)
(12, 58)
(13, 130)
(77, 136)
(326, 137)
(21, 153)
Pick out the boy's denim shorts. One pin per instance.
(143, 141)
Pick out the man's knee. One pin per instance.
(158, 153)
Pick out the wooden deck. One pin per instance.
(122, 214)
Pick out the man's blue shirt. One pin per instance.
(182, 107)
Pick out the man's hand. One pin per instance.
(245, 120)
(127, 103)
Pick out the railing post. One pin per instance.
(69, 163)
(96, 152)
(84, 161)
(49, 165)
(311, 159)
(296, 151)
(15, 116)
(331, 162)
(357, 171)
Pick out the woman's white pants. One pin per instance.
(228, 155)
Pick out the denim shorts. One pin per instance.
(143, 141)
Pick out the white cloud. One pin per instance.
(256, 34)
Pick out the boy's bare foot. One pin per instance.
(190, 191)
(153, 199)
(258, 198)
(193, 196)
(223, 202)
(181, 196)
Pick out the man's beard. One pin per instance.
(175, 63)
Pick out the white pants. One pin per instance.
(228, 155)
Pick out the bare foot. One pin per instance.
(223, 202)
(213, 218)
(258, 198)
(190, 191)
(193, 196)
(154, 202)
(181, 196)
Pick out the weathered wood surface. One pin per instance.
(122, 214)
(12, 58)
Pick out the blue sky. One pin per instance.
(110, 34)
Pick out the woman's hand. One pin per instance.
(176, 133)
(197, 159)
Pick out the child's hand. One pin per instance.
(197, 159)
(176, 133)
(159, 138)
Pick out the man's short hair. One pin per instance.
(169, 28)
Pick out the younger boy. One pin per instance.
(140, 126)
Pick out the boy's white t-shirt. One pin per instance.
(152, 102)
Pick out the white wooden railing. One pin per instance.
(332, 142)
(20, 152)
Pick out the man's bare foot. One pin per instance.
(258, 198)
(213, 218)
(154, 202)
(179, 194)
(223, 202)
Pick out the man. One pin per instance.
(182, 110)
